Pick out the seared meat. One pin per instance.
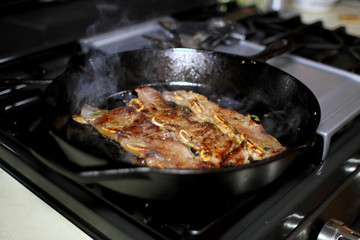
(209, 143)
(137, 135)
(195, 134)
(241, 129)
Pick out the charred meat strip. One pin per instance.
(137, 135)
(208, 142)
(241, 129)
(194, 134)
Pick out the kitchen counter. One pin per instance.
(24, 216)
(343, 14)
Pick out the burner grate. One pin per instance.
(331, 47)
(20, 107)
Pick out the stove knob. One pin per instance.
(336, 230)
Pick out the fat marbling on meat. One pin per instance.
(193, 134)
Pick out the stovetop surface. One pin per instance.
(274, 212)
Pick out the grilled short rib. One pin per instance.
(193, 133)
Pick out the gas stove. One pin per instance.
(295, 206)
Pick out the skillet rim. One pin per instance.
(143, 169)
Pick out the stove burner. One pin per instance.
(203, 34)
(334, 48)
(206, 35)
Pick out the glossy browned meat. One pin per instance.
(213, 147)
(137, 135)
(241, 129)
(195, 134)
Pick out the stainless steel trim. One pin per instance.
(334, 229)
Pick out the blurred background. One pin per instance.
(33, 25)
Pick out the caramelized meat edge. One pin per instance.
(194, 134)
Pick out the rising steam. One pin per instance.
(101, 78)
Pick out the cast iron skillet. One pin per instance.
(287, 108)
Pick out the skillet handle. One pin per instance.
(89, 175)
(274, 49)
(62, 169)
